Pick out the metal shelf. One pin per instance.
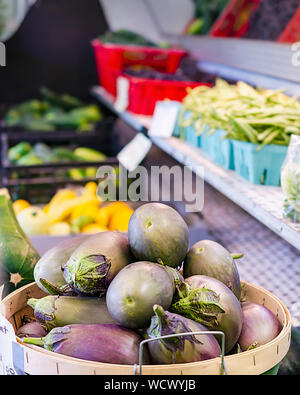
(260, 57)
(264, 203)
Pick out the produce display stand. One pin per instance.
(263, 202)
(257, 361)
(238, 214)
(244, 217)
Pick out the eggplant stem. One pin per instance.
(253, 345)
(237, 255)
(160, 262)
(159, 311)
(37, 341)
(54, 290)
(32, 302)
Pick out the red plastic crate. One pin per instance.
(111, 59)
(143, 93)
(234, 20)
(291, 33)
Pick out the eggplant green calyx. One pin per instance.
(164, 323)
(198, 304)
(87, 276)
(56, 335)
(44, 309)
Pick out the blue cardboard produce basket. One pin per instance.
(259, 166)
(218, 148)
(192, 136)
(189, 132)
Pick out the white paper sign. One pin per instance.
(11, 353)
(164, 119)
(121, 102)
(134, 152)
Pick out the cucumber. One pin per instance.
(18, 151)
(38, 125)
(43, 151)
(89, 154)
(91, 172)
(17, 255)
(61, 154)
(29, 159)
(64, 101)
(76, 174)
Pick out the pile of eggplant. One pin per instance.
(109, 291)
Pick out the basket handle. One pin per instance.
(143, 342)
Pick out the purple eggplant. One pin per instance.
(56, 311)
(106, 343)
(158, 233)
(260, 326)
(49, 268)
(208, 300)
(32, 328)
(136, 289)
(190, 348)
(208, 258)
(95, 263)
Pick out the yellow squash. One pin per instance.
(120, 219)
(60, 212)
(93, 228)
(20, 205)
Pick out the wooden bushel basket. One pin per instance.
(38, 361)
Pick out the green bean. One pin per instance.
(262, 136)
(245, 113)
(269, 139)
(246, 129)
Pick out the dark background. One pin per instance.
(52, 48)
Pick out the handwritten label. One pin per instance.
(11, 353)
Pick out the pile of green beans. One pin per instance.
(247, 114)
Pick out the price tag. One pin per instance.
(11, 353)
(134, 152)
(164, 119)
(121, 102)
